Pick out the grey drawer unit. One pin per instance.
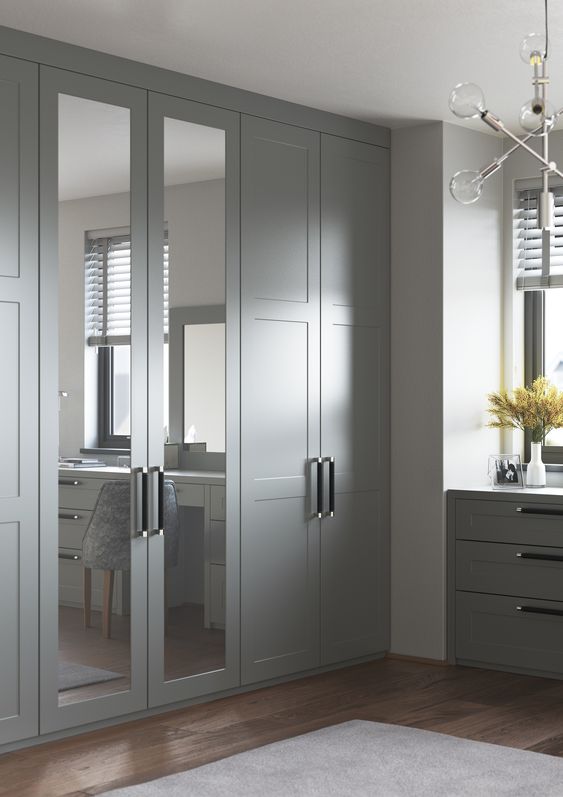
(72, 527)
(503, 569)
(511, 632)
(517, 521)
(505, 580)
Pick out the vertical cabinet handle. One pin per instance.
(157, 504)
(320, 487)
(139, 502)
(331, 486)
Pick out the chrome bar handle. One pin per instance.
(539, 557)
(70, 482)
(74, 557)
(320, 487)
(539, 610)
(157, 506)
(139, 499)
(330, 486)
(528, 510)
(66, 516)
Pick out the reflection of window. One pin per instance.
(108, 328)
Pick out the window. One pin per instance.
(108, 328)
(543, 308)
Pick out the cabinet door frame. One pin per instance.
(54, 82)
(19, 504)
(162, 106)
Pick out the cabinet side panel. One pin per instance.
(9, 399)
(10, 177)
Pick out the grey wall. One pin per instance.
(445, 355)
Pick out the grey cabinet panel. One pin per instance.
(279, 178)
(280, 601)
(510, 569)
(354, 395)
(490, 629)
(18, 404)
(9, 399)
(353, 602)
(280, 382)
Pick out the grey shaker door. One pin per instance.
(279, 399)
(18, 401)
(88, 121)
(189, 655)
(354, 396)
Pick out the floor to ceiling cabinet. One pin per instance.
(274, 240)
(315, 288)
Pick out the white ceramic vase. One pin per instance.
(535, 473)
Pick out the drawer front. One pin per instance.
(504, 569)
(190, 494)
(217, 546)
(515, 521)
(217, 503)
(77, 493)
(490, 629)
(72, 527)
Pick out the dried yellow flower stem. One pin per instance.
(538, 408)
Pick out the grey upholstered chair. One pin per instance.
(107, 542)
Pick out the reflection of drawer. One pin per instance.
(72, 526)
(217, 541)
(78, 493)
(190, 494)
(71, 583)
(217, 503)
(217, 601)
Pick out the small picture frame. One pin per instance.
(505, 471)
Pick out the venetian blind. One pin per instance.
(108, 288)
(532, 273)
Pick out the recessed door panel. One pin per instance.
(9, 399)
(10, 596)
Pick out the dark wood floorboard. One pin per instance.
(490, 706)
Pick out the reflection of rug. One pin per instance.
(73, 675)
(365, 759)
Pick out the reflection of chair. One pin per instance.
(107, 542)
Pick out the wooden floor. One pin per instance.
(490, 706)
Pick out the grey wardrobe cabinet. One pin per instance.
(314, 246)
(18, 402)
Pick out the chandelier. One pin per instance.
(537, 117)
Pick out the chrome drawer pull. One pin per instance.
(74, 557)
(69, 482)
(526, 510)
(540, 557)
(62, 516)
(538, 610)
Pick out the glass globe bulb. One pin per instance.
(534, 113)
(466, 101)
(466, 187)
(532, 49)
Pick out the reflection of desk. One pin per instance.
(78, 492)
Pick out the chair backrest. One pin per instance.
(107, 541)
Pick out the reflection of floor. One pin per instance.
(189, 648)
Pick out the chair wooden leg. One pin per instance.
(107, 601)
(87, 596)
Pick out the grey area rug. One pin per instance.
(73, 675)
(367, 758)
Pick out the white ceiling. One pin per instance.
(94, 150)
(386, 61)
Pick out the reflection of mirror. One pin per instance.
(197, 377)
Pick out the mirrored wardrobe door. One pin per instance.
(193, 399)
(93, 354)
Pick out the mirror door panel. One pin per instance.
(94, 376)
(193, 398)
